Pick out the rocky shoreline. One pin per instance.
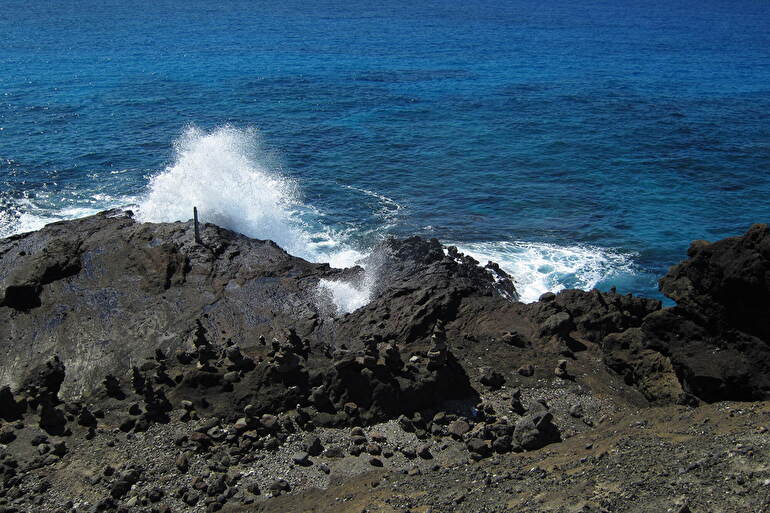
(144, 372)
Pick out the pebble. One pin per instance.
(182, 462)
(458, 428)
(424, 452)
(301, 458)
(576, 410)
(526, 370)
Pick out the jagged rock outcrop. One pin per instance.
(419, 285)
(101, 290)
(116, 291)
(228, 357)
(716, 341)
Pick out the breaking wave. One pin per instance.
(541, 267)
(236, 184)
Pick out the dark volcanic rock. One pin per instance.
(155, 291)
(142, 287)
(725, 285)
(231, 344)
(593, 314)
(536, 428)
(491, 378)
(423, 286)
(54, 259)
(10, 408)
(715, 344)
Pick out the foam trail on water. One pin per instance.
(231, 179)
(25, 216)
(541, 267)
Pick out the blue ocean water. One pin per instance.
(577, 143)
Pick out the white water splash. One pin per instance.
(346, 296)
(540, 267)
(235, 184)
(25, 216)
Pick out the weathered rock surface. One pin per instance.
(715, 344)
(133, 357)
(101, 290)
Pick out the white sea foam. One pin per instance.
(389, 208)
(541, 267)
(25, 216)
(346, 296)
(237, 185)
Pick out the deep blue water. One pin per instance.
(579, 143)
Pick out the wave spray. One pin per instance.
(236, 184)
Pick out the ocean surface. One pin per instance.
(578, 144)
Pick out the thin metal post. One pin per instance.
(195, 225)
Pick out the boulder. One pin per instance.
(491, 378)
(715, 343)
(535, 429)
